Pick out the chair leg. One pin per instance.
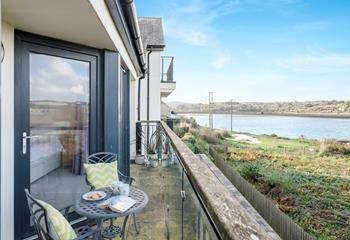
(137, 227)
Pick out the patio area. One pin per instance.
(189, 198)
(152, 219)
(54, 187)
(167, 216)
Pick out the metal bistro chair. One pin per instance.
(108, 157)
(41, 221)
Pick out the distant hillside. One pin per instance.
(322, 108)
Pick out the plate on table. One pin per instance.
(94, 195)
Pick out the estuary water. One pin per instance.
(284, 126)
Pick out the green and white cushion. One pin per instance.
(101, 175)
(58, 224)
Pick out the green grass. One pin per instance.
(312, 188)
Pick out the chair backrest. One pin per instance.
(39, 217)
(102, 157)
(106, 157)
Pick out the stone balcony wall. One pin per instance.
(231, 213)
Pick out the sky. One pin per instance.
(58, 79)
(256, 50)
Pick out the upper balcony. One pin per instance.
(167, 83)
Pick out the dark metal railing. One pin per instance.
(167, 74)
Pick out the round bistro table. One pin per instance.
(90, 210)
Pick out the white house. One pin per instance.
(159, 82)
(69, 81)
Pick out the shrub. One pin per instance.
(198, 146)
(281, 180)
(274, 180)
(330, 147)
(177, 121)
(219, 134)
(194, 131)
(181, 131)
(248, 155)
(274, 135)
(197, 149)
(193, 123)
(250, 172)
(301, 138)
(226, 134)
(209, 136)
(189, 137)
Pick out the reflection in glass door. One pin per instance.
(59, 98)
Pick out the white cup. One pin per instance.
(121, 188)
(124, 189)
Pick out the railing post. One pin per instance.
(138, 137)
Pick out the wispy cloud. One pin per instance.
(59, 79)
(221, 60)
(212, 9)
(317, 63)
(191, 35)
(191, 22)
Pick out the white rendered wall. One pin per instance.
(154, 96)
(7, 133)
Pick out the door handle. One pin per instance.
(24, 141)
(33, 136)
(183, 195)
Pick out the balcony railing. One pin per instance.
(200, 202)
(185, 216)
(167, 74)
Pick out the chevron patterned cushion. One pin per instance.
(101, 175)
(60, 228)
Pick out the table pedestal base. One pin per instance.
(111, 232)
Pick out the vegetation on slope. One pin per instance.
(341, 108)
(307, 179)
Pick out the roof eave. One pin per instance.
(118, 15)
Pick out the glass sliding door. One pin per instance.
(59, 127)
(56, 123)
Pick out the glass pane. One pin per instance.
(195, 221)
(59, 126)
(172, 172)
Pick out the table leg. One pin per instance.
(99, 225)
(112, 231)
(124, 226)
(137, 229)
